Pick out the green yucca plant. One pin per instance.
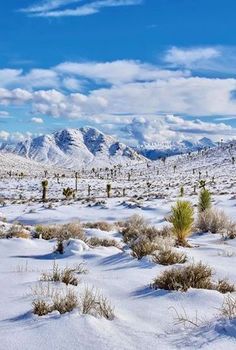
(204, 201)
(182, 221)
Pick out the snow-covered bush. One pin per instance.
(212, 220)
(136, 226)
(228, 309)
(143, 247)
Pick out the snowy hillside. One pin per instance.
(75, 148)
(158, 150)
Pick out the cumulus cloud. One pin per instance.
(13, 137)
(62, 8)
(37, 120)
(117, 72)
(189, 56)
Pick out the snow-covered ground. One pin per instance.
(144, 318)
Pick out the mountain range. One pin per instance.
(76, 148)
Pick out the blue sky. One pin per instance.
(142, 70)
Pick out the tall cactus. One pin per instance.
(44, 186)
(108, 189)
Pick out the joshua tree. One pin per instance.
(89, 190)
(44, 186)
(181, 191)
(76, 181)
(68, 192)
(123, 192)
(202, 184)
(129, 176)
(204, 201)
(233, 160)
(182, 221)
(108, 189)
(174, 168)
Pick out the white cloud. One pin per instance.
(4, 114)
(62, 8)
(117, 72)
(37, 120)
(189, 56)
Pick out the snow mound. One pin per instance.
(75, 246)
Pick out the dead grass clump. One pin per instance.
(61, 232)
(143, 247)
(18, 231)
(41, 307)
(100, 225)
(230, 231)
(65, 302)
(103, 242)
(95, 304)
(61, 301)
(228, 309)
(66, 275)
(137, 226)
(212, 220)
(223, 286)
(192, 276)
(169, 257)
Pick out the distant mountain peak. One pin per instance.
(75, 148)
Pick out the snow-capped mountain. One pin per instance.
(159, 150)
(75, 148)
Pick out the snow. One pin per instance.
(144, 318)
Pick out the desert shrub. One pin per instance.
(66, 275)
(95, 304)
(182, 221)
(191, 276)
(212, 220)
(137, 226)
(223, 286)
(143, 247)
(41, 307)
(61, 232)
(165, 231)
(101, 225)
(65, 302)
(204, 202)
(228, 309)
(103, 242)
(18, 231)
(169, 257)
(230, 230)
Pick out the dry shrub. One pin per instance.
(137, 226)
(223, 286)
(228, 309)
(54, 300)
(101, 225)
(192, 276)
(18, 231)
(41, 307)
(212, 220)
(103, 242)
(61, 232)
(65, 302)
(230, 230)
(66, 275)
(143, 247)
(95, 304)
(169, 257)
